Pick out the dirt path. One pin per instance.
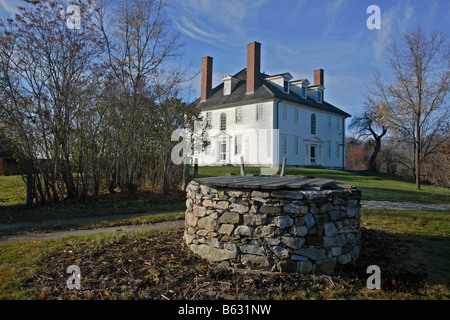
(30, 236)
(372, 204)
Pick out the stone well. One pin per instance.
(287, 224)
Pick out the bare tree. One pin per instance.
(412, 103)
(368, 125)
(95, 107)
(138, 43)
(46, 73)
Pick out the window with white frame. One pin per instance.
(313, 124)
(238, 115)
(286, 86)
(296, 139)
(259, 112)
(337, 150)
(319, 96)
(238, 144)
(329, 149)
(296, 115)
(223, 150)
(223, 122)
(284, 144)
(304, 92)
(208, 119)
(284, 113)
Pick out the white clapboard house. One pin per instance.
(265, 118)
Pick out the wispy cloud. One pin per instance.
(395, 20)
(9, 6)
(333, 12)
(214, 22)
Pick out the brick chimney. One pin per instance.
(318, 77)
(206, 85)
(253, 66)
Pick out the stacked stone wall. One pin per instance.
(306, 231)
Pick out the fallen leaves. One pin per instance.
(158, 266)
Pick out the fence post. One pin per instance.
(242, 167)
(195, 168)
(186, 177)
(283, 168)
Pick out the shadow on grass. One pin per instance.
(395, 194)
(106, 204)
(408, 263)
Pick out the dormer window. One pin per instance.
(319, 96)
(286, 86)
(281, 81)
(299, 87)
(229, 83)
(304, 92)
(315, 93)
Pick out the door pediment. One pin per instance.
(314, 139)
(222, 134)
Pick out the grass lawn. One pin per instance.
(428, 232)
(13, 191)
(37, 269)
(27, 270)
(13, 198)
(145, 203)
(374, 186)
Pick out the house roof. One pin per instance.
(264, 90)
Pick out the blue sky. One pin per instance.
(297, 36)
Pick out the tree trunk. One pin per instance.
(377, 147)
(373, 157)
(417, 150)
(186, 177)
(417, 165)
(29, 190)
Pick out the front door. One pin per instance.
(312, 153)
(223, 151)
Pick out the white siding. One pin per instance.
(302, 129)
(296, 126)
(248, 131)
